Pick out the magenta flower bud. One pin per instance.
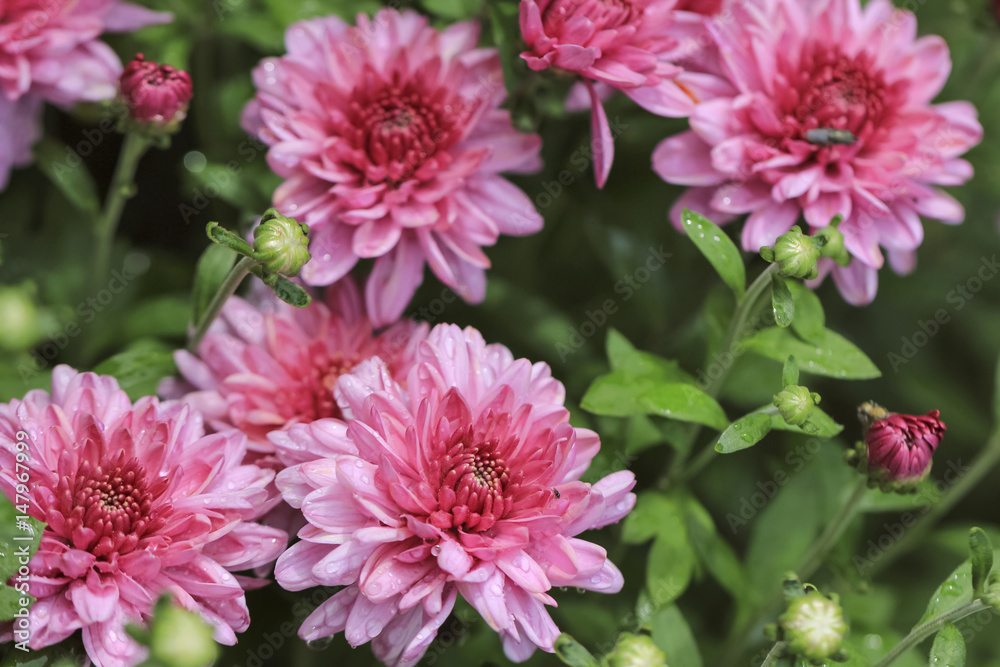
(155, 93)
(900, 447)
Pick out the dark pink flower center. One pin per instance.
(397, 127)
(475, 486)
(828, 89)
(604, 14)
(325, 374)
(107, 509)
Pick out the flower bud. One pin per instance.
(795, 404)
(157, 96)
(795, 253)
(992, 596)
(813, 626)
(281, 244)
(898, 448)
(636, 651)
(830, 242)
(180, 638)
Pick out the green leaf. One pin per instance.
(67, 172)
(290, 293)
(809, 322)
(981, 559)
(11, 602)
(955, 591)
(623, 356)
(948, 649)
(671, 633)
(572, 653)
(819, 424)
(712, 551)
(652, 512)
(831, 355)
(617, 394)
(506, 33)
(15, 527)
(781, 301)
(684, 402)
(226, 238)
(745, 432)
(790, 372)
(213, 267)
(717, 248)
(140, 367)
(165, 316)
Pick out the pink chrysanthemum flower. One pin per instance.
(630, 45)
(391, 140)
(49, 52)
(137, 502)
(271, 366)
(832, 115)
(466, 482)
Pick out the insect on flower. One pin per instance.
(830, 136)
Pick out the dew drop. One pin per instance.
(436, 549)
(372, 628)
(319, 644)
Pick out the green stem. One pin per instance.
(226, 290)
(122, 188)
(925, 630)
(822, 546)
(745, 306)
(982, 466)
(774, 654)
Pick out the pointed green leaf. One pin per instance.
(809, 322)
(10, 602)
(290, 293)
(712, 551)
(745, 432)
(572, 652)
(982, 559)
(955, 591)
(651, 514)
(790, 372)
(948, 649)
(819, 424)
(831, 355)
(717, 248)
(623, 356)
(781, 301)
(671, 632)
(226, 238)
(68, 173)
(684, 402)
(617, 394)
(140, 367)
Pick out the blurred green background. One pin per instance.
(541, 290)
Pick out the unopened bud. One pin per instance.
(157, 96)
(281, 244)
(180, 638)
(814, 626)
(795, 253)
(636, 651)
(898, 448)
(795, 404)
(830, 242)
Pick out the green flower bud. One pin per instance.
(795, 404)
(180, 638)
(814, 626)
(830, 242)
(795, 253)
(280, 244)
(636, 651)
(21, 324)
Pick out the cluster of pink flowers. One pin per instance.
(50, 52)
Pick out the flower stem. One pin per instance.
(122, 188)
(226, 290)
(822, 546)
(745, 306)
(774, 654)
(925, 630)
